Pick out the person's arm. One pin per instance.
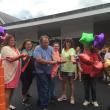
(25, 58)
(53, 57)
(73, 59)
(43, 61)
(72, 54)
(39, 59)
(57, 60)
(12, 59)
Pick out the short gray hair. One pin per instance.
(44, 36)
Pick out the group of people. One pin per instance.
(45, 63)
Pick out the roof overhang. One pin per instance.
(64, 17)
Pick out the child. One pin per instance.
(56, 57)
(88, 81)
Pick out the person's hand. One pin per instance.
(24, 55)
(60, 62)
(9, 59)
(74, 61)
(64, 61)
(52, 62)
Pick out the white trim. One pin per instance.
(57, 19)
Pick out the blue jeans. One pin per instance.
(52, 88)
(43, 86)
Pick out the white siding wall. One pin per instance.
(22, 34)
(76, 29)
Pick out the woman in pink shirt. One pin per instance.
(56, 57)
(12, 67)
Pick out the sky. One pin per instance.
(26, 9)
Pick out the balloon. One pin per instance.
(84, 58)
(100, 37)
(86, 38)
(98, 65)
(2, 31)
(2, 34)
(99, 41)
(97, 68)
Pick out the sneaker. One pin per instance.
(85, 103)
(72, 100)
(12, 107)
(62, 98)
(95, 103)
(108, 78)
